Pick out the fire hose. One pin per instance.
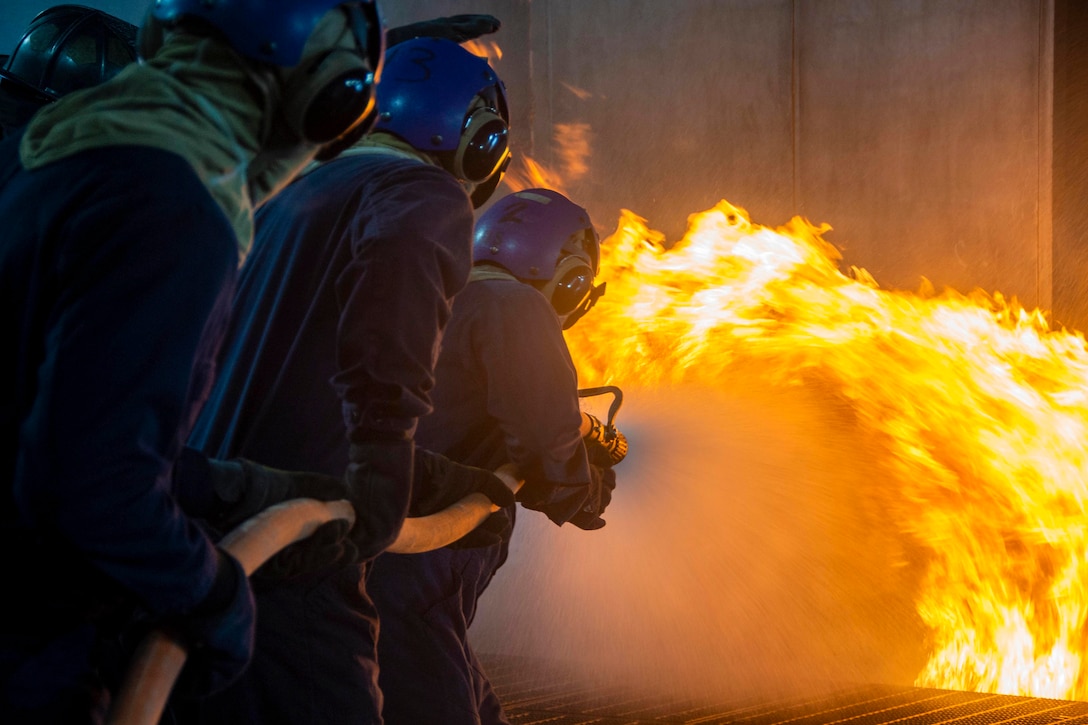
(160, 657)
(427, 533)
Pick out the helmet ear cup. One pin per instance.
(570, 286)
(484, 146)
(328, 97)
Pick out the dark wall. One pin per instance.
(919, 129)
(1070, 248)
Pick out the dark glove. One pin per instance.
(239, 489)
(458, 28)
(606, 440)
(579, 503)
(601, 486)
(328, 547)
(218, 632)
(379, 478)
(495, 529)
(597, 454)
(441, 482)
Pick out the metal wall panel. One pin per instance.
(689, 103)
(1070, 154)
(919, 138)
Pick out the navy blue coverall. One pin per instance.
(506, 391)
(337, 320)
(115, 294)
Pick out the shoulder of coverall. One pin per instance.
(517, 297)
(483, 272)
(379, 144)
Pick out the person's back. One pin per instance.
(327, 366)
(273, 401)
(488, 330)
(120, 249)
(506, 392)
(82, 445)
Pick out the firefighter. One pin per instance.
(506, 390)
(124, 207)
(328, 365)
(64, 48)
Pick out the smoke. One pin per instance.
(745, 555)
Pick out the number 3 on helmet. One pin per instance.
(446, 102)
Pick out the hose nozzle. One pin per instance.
(605, 434)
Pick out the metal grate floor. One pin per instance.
(536, 695)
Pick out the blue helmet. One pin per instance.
(269, 31)
(329, 96)
(542, 237)
(446, 102)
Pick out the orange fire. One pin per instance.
(571, 144)
(526, 172)
(488, 49)
(980, 412)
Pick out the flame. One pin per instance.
(580, 93)
(526, 172)
(488, 49)
(980, 412)
(572, 144)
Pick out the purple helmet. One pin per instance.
(542, 237)
(444, 101)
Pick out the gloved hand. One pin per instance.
(218, 632)
(458, 28)
(441, 482)
(604, 439)
(329, 546)
(602, 484)
(379, 480)
(236, 490)
(495, 529)
(579, 503)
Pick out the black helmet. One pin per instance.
(65, 48)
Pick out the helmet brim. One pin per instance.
(15, 87)
(19, 101)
